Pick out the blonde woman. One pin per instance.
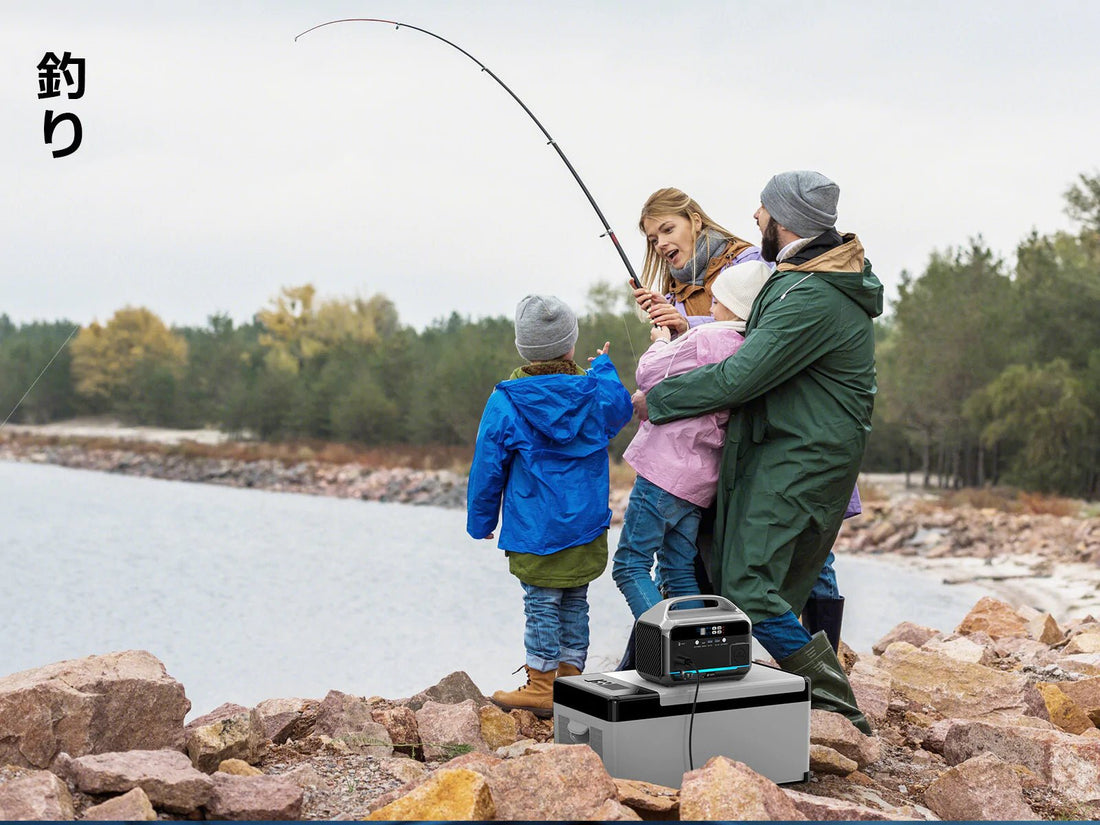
(685, 251)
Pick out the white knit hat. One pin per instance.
(737, 286)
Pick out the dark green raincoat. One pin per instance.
(801, 389)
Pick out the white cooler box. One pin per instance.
(640, 729)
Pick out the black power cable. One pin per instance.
(684, 660)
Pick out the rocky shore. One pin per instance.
(995, 719)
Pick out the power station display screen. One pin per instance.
(709, 631)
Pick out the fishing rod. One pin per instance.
(607, 228)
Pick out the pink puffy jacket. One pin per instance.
(683, 457)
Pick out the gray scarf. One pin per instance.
(707, 245)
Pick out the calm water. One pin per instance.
(247, 595)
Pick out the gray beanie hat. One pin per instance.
(804, 202)
(545, 328)
(737, 286)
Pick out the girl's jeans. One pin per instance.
(657, 525)
(557, 626)
(781, 635)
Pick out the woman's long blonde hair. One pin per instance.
(670, 201)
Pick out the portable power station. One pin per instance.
(693, 644)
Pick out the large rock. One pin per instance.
(1086, 695)
(450, 794)
(998, 619)
(564, 782)
(914, 634)
(98, 704)
(498, 729)
(38, 795)
(448, 730)
(730, 790)
(1069, 764)
(132, 806)
(254, 797)
(825, 809)
(648, 800)
(826, 760)
(984, 787)
(1064, 712)
(400, 722)
(871, 687)
(837, 732)
(1043, 628)
(954, 688)
(614, 811)
(168, 778)
(1083, 643)
(284, 719)
(350, 720)
(962, 649)
(227, 732)
(451, 689)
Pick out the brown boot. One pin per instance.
(536, 696)
(568, 670)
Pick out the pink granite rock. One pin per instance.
(38, 795)
(168, 778)
(825, 809)
(119, 701)
(995, 617)
(837, 732)
(567, 782)
(445, 728)
(284, 719)
(132, 806)
(730, 790)
(227, 732)
(914, 634)
(254, 797)
(983, 787)
(349, 719)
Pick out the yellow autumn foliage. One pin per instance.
(105, 358)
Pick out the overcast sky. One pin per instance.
(221, 160)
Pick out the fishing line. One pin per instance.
(35, 381)
(608, 231)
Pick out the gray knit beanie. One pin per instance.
(804, 202)
(545, 328)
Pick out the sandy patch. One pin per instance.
(109, 428)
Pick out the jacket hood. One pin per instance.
(847, 269)
(557, 406)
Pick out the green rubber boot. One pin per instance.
(829, 686)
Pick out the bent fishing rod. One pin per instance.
(607, 228)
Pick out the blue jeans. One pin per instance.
(557, 626)
(825, 587)
(658, 525)
(781, 635)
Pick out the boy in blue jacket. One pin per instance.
(542, 452)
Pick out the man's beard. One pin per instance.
(769, 241)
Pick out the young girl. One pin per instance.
(677, 463)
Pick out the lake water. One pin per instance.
(247, 595)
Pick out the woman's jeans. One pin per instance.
(657, 525)
(781, 635)
(557, 626)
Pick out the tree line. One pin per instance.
(987, 373)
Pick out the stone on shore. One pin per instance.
(826, 809)
(824, 759)
(984, 787)
(914, 634)
(1043, 628)
(498, 729)
(447, 730)
(1086, 695)
(726, 789)
(953, 688)
(1083, 643)
(132, 806)
(115, 702)
(37, 795)
(349, 719)
(614, 811)
(449, 794)
(1069, 764)
(238, 767)
(254, 797)
(566, 782)
(168, 778)
(288, 718)
(648, 800)
(871, 686)
(400, 722)
(450, 690)
(1064, 712)
(995, 617)
(835, 731)
(227, 732)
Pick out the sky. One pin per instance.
(221, 160)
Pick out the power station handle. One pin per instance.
(719, 601)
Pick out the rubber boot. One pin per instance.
(536, 696)
(566, 669)
(627, 662)
(829, 686)
(824, 614)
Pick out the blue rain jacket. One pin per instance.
(541, 456)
